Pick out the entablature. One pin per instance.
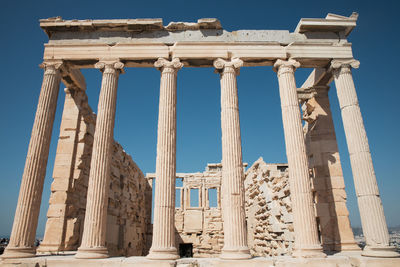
(140, 42)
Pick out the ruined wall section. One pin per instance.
(268, 209)
(200, 225)
(327, 175)
(127, 219)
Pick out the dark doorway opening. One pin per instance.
(186, 250)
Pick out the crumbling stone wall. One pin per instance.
(126, 220)
(268, 209)
(202, 225)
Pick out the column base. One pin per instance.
(310, 252)
(163, 254)
(380, 252)
(18, 252)
(92, 253)
(241, 253)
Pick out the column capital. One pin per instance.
(345, 63)
(110, 66)
(223, 66)
(51, 66)
(165, 65)
(283, 66)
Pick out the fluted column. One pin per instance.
(369, 201)
(93, 244)
(306, 242)
(163, 245)
(23, 233)
(235, 231)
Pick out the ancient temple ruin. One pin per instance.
(100, 204)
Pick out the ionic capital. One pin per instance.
(51, 66)
(345, 63)
(340, 66)
(225, 66)
(284, 66)
(110, 66)
(165, 65)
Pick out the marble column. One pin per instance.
(163, 245)
(93, 245)
(22, 239)
(235, 230)
(306, 242)
(369, 201)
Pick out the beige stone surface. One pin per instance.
(269, 209)
(146, 40)
(324, 161)
(235, 232)
(282, 215)
(204, 230)
(306, 239)
(369, 202)
(126, 222)
(345, 260)
(93, 243)
(26, 215)
(163, 245)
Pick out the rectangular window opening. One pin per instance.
(194, 197)
(213, 197)
(177, 198)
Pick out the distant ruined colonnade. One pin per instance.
(112, 45)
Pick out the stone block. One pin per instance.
(340, 209)
(58, 197)
(345, 231)
(323, 209)
(60, 184)
(336, 182)
(62, 171)
(193, 221)
(56, 210)
(63, 159)
(69, 125)
(65, 147)
(339, 195)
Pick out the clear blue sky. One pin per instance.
(375, 43)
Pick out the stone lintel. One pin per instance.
(197, 54)
(57, 24)
(332, 23)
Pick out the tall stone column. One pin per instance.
(369, 201)
(235, 231)
(163, 245)
(23, 233)
(306, 242)
(93, 244)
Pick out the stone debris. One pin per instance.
(268, 209)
